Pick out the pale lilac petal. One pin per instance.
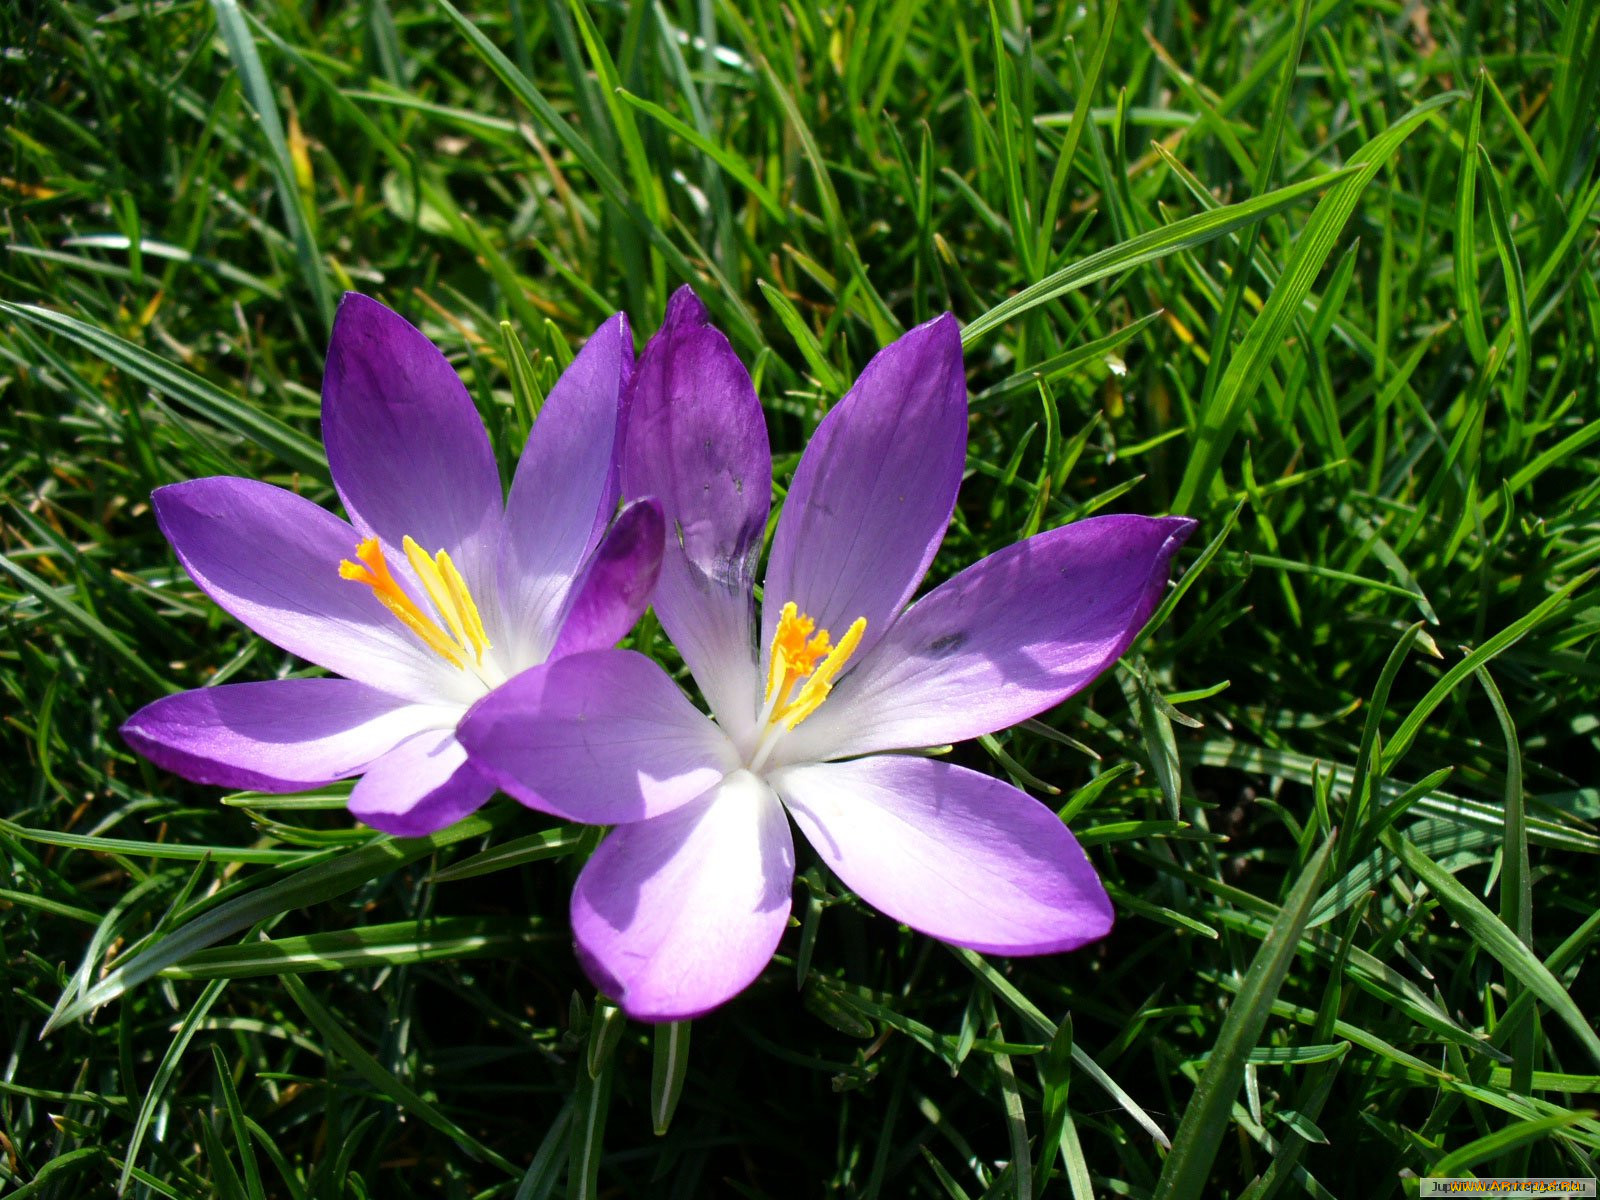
(564, 492)
(1006, 639)
(676, 915)
(406, 448)
(874, 490)
(421, 786)
(271, 559)
(951, 853)
(283, 735)
(604, 737)
(616, 583)
(696, 441)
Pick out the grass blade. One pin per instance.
(1205, 1119)
(304, 888)
(1185, 234)
(1500, 942)
(258, 90)
(188, 389)
(669, 1068)
(341, 1043)
(389, 945)
(1220, 420)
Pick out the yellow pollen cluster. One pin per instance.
(446, 589)
(800, 649)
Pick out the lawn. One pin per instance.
(1323, 276)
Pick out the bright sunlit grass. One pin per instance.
(1322, 276)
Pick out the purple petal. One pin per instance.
(679, 914)
(697, 442)
(875, 489)
(271, 559)
(406, 448)
(1009, 637)
(951, 853)
(565, 490)
(603, 737)
(616, 584)
(284, 735)
(421, 786)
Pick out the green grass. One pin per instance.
(1322, 275)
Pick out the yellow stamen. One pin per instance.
(795, 652)
(816, 688)
(444, 587)
(450, 597)
(797, 645)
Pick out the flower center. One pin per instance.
(800, 651)
(461, 639)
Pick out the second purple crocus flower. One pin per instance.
(438, 589)
(684, 902)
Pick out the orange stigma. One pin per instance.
(802, 651)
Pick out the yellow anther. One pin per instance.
(797, 647)
(444, 587)
(450, 597)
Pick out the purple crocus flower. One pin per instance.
(684, 902)
(437, 590)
